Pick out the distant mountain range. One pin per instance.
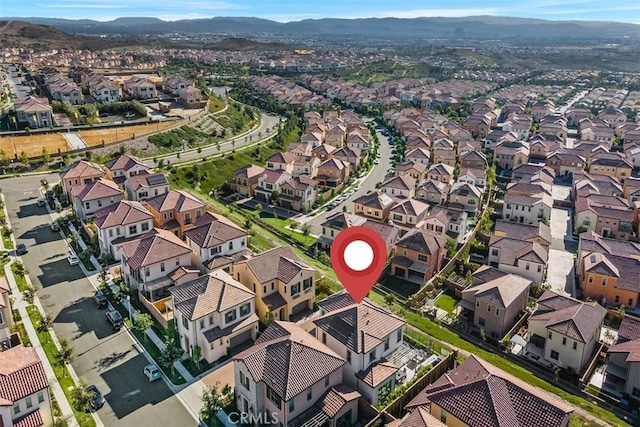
(472, 27)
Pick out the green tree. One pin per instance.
(142, 322)
(29, 294)
(211, 401)
(65, 354)
(24, 159)
(81, 398)
(171, 353)
(274, 195)
(451, 246)
(389, 298)
(196, 356)
(45, 323)
(306, 229)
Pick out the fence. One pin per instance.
(519, 324)
(584, 380)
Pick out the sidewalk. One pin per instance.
(21, 306)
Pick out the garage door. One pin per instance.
(240, 338)
(300, 307)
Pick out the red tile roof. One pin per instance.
(153, 247)
(33, 419)
(177, 200)
(21, 373)
(124, 213)
(124, 162)
(279, 263)
(99, 189)
(81, 168)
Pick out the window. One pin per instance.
(443, 416)
(133, 229)
(210, 319)
(554, 355)
(348, 356)
(617, 299)
(604, 281)
(309, 393)
(162, 266)
(187, 218)
(144, 226)
(87, 205)
(539, 268)
(230, 316)
(40, 397)
(29, 402)
(292, 406)
(386, 344)
(244, 309)
(307, 283)
(494, 252)
(481, 321)
(526, 267)
(16, 407)
(198, 214)
(635, 392)
(295, 289)
(147, 273)
(185, 322)
(550, 335)
(324, 338)
(630, 302)
(326, 381)
(177, 261)
(489, 308)
(1, 318)
(244, 380)
(399, 335)
(564, 340)
(477, 303)
(372, 356)
(230, 246)
(590, 278)
(575, 345)
(497, 312)
(110, 232)
(273, 397)
(422, 258)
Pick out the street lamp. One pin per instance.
(129, 310)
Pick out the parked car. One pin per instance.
(115, 319)
(21, 249)
(73, 259)
(55, 226)
(152, 372)
(129, 116)
(377, 161)
(99, 299)
(97, 399)
(41, 202)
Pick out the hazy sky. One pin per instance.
(293, 10)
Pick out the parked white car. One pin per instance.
(73, 260)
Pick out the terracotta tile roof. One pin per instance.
(430, 186)
(377, 373)
(177, 200)
(249, 171)
(279, 263)
(282, 158)
(181, 272)
(342, 220)
(213, 292)
(418, 153)
(629, 329)
(500, 291)
(217, 231)
(404, 182)
(409, 165)
(422, 240)
(360, 327)
(216, 333)
(624, 268)
(289, 360)
(481, 395)
(473, 173)
(222, 261)
(99, 189)
(124, 213)
(34, 419)
(124, 163)
(81, 168)
(21, 373)
(513, 249)
(375, 200)
(524, 231)
(568, 316)
(336, 164)
(441, 169)
(336, 301)
(147, 180)
(335, 398)
(419, 417)
(410, 207)
(389, 232)
(465, 189)
(153, 247)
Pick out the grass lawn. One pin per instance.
(21, 281)
(216, 104)
(62, 374)
(156, 355)
(446, 302)
(281, 224)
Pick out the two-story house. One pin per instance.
(566, 329)
(283, 283)
(408, 213)
(399, 186)
(364, 335)
(540, 232)
(465, 196)
(94, 196)
(609, 216)
(612, 164)
(528, 203)
(291, 376)
(214, 312)
(245, 179)
(216, 242)
(298, 193)
(433, 192)
(419, 255)
(566, 162)
(175, 211)
(148, 260)
(34, 112)
(624, 358)
(418, 155)
(333, 172)
(447, 221)
(508, 155)
(417, 171)
(522, 257)
(375, 205)
(145, 186)
(269, 184)
(440, 172)
(496, 299)
(78, 174)
(477, 177)
(24, 389)
(119, 222)
(339, 221)
(125, 166)
(473, 159)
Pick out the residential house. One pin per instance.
(507, 155)
(476, 177)
(540, 146)
(119, 222)
(245, 179)
(418, 155)
(609, 216)
(399, 186)
(533, 173)
(358, 141)
(375, 205)
(478, 125)
(6, 314)
(324, 152)
(419, 255)
(342, 220)
(566, 162)
(335, 136)
(94, 196)
(553, 126)
(446, 402)
(528, 203)
(440, 172)
(125, 166)
(333, 172)
(298, 193)
(496, 299)
(520, 124)
(566, 329)
(176, 211)
(213, 312)
(433, 192)
(144, 186)
(445, 156)
(465, 196)
(283, 283)
(364, 335)
(291, 376)
(78, 174)
(631, 190)
(105, 90)
(447, 221)
(216, 243)
(408, 213)
(348, 155)
(148, 261)
(282, 162)
(33, 112)
(473, 159)
(623, 358)
(539, 233)
(612, 164)
(417, 171)
(522, 257)
(24, 389)
(140, 88)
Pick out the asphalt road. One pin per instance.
(268, 122)
(377, 174)
(105, 358)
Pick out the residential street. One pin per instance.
(377, 174)
(108, 359)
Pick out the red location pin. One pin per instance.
(358, 256)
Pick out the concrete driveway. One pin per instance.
(561, 266)
(108, 359)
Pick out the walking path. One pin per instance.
(74, 140)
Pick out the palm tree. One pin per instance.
(65, 354)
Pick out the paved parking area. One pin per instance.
(561, 266)
(223, 375)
